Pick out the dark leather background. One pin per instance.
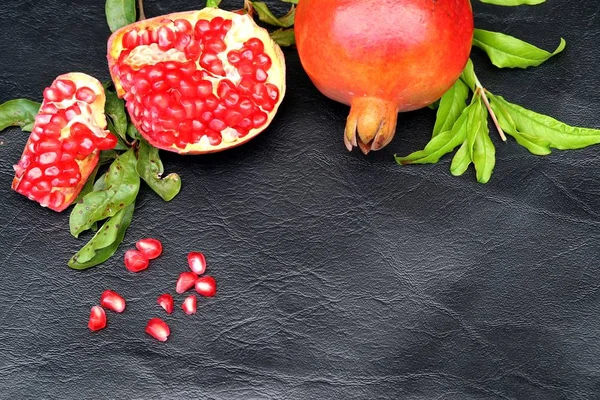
(340, 276)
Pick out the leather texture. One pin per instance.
(340, 276)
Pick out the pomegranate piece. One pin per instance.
(189, 305)
(158, 329)
(151, 248)
(206, 286)
(112, 301)
(136, 261)
(417, 51)
(170, 70)
(61, 154)
(197, 262)
(166, 302)
(185, 282)
(97, 319)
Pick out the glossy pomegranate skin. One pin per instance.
(405, 51)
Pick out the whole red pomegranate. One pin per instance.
(197, 81)
(382, 57)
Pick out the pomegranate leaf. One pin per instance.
(213, 3)
(114, 108)
(122, 184)
(284, 37)
(506, 51)
(89, 185)
(452, 104)
(290, 1)
(484, 152)
(119, 13)
(266, 16)
(468, 75)
(105, 242)
(513, 2)
(18, 112)
(150, 169)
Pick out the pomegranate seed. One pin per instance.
(130, 39)
(197, 262)
(151, 248)
(189, 305)
(67, 88)
(260, 75)
(255, 45)
(201, 29)
(183, 26)
(166, 302)
(166, 37)
(52, 94)
(206, 286)
(85, 94)
(259, 119)
(216, 23)
(34, 174)
(217, 125)
(107, 143)
(185, 282)
(113, 301)
(158, 329)
(234, 57)
(204, 88)
(135, 261)
(97, 319)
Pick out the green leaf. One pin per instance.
(513, 2)
(132, 132)
(461, 160)
(542, 129)
(290, 1)
(150, 168)
(468, 75)
(506, 51)
(122, 184)
(18, 112)
(120, 13)
(213, 3)
(284, 37)
(452, 104)
(89, 185)
(266, 16)
(105, 242)
(115, 110)
(484, 152)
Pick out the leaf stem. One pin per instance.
(480, 90)
(141, 8)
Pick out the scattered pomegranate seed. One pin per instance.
(185, 282)
(97, 319)
(189, 305)
(152, 248)
(197, 262)
(135, 261)
(206, 286)
(166, 302)
(113, 301)
(158, 329)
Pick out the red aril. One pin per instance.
(158, 329)
(113, 301)
(64, 146)
(197, 262)
(189, 305)
(151, 248)
(382, 57)
(166, 302)
(136, 261)
(185, 282)
(97, 319)
(206, 286)
(184, 77)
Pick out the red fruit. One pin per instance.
(185, 282)
(206, 286)
(158, 329)
(189, 305)
(136, 261)
(388, 57)
(97, 319)
(168, 87)
(113, 301)
(197, 262)
(166, 302)
(152, 248)
(58, 148)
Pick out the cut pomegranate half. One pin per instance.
(97, 319)
(113, 301)
(152, 248)
(158, 329)
(189, 305)
(166, 302)
(199, 81)
(197, 262)
(185, 282)
(64, 146)
(206, 286)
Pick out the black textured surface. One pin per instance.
(340, 276)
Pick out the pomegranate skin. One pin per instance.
(382, 57)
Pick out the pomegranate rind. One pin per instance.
(88, 164)
(276, 74)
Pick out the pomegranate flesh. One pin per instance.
(64, 146)
(382, 57)
(199, 81)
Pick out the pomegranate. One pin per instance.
(199, 81)
(189, 305)
(382, 57)
(166, 302)
(206, 286)
(185, 282)
(64, 146)
(97, 319)
(135, 260)
(151, 248)
(113, 301)
(197, 262)
(158, 329)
